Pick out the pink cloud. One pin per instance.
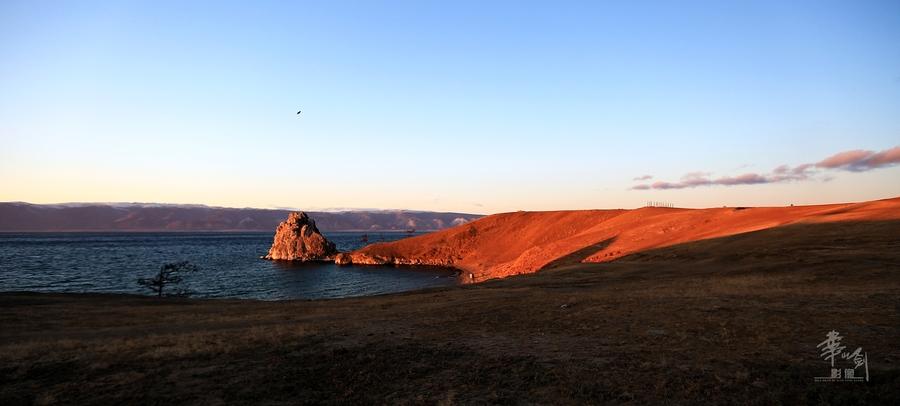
(861, 160)
(745, 179)
(854, 161)
(666, 185)
(886, 157)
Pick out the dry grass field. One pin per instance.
(507, 244)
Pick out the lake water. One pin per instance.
(229, 263)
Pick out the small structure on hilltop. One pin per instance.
(667, 205)
(298, 239)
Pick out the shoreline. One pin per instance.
(267, 231)
(730, 320)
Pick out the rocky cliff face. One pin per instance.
(298, 239)
(362, 258)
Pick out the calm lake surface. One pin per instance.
(229, 263)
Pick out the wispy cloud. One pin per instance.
(645, 177)
(861, 160)
(852, 161)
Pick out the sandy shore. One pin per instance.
(729, 320)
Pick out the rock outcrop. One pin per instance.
(298, 239)
(343, 258)
(361, 258)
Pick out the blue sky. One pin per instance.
(464, 106)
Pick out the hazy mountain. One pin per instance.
(18, 216)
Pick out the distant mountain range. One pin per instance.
(19, 216)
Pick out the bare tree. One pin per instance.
(169, 274)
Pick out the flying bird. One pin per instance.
(298, 112)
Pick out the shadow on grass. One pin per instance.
(579, 255)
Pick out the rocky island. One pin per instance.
(298, 239)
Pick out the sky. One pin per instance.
(477, 107)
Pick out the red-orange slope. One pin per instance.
(524, 242)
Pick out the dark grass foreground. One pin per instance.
(727, 321)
